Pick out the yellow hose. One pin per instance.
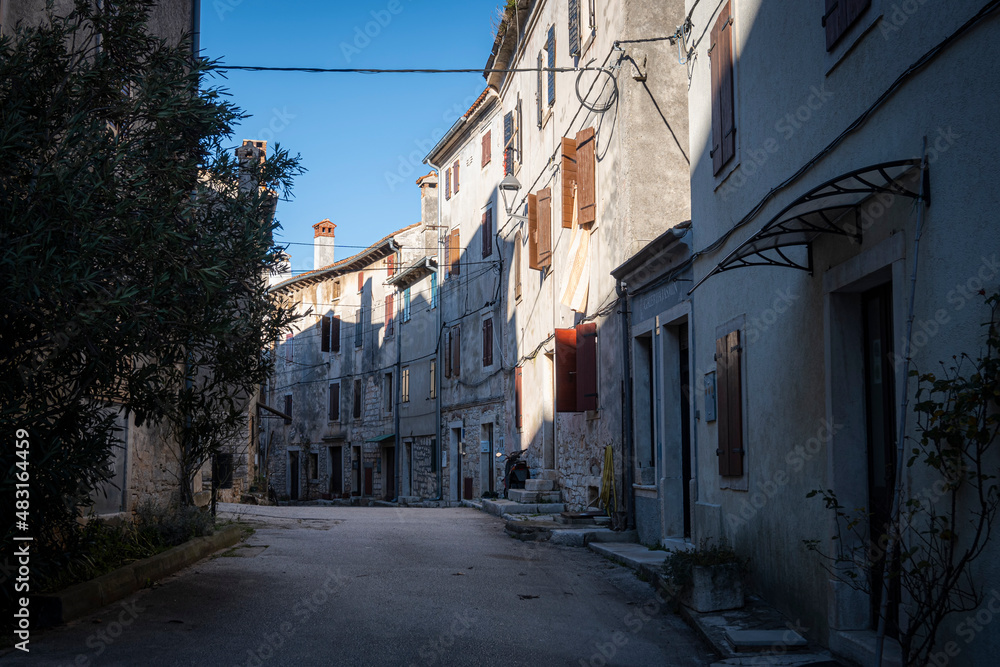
(608, 494)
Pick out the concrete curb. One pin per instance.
(83, 598)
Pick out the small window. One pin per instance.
(361, 282)
(406, 305)
(550, 49)
(508, 143)
(729, 397)
(487, 342)
(434, 290)
(356, 413)
(336, 289)
(288, 409)
(487, 147)
(387, 391)
(487, 232)
(313, 466)
(404, 386)
(434, 454)
(433, 378)
(574, 28)
(359, 327)
(335, 402)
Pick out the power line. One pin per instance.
(359, 70)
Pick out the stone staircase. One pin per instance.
(536, 491)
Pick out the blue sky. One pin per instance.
(362, 137)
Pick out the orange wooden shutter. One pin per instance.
(456, 253)
(533, 232)
(566, 370)
(544, 228)
(569, 176)
(586, 175)
(487, 147)
(586, 366)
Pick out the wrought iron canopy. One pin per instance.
(825, 209)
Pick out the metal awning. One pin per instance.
(823, 210)
(381, 438)
(411, 274)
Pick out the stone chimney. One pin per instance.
(429, 210)
(250, 156)
(323, 244)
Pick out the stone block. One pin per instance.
(539, 485)
(522, 496)
(764, 639)
(715, 588)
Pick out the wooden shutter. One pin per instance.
(728, 357)
(517, 265)
(487, 229)
(586, 175)
(574, 28)
(839, 16)
(455, 169)
(361, 281)
(586, 366)
(358, 327)
(518, 414)
(533, 233)
(446, 344)
(569, 178)
(566, 370)
(389, 313)
(335, 402)
(447, 184)
(324, 342)
(488, 342)
(447, 257)
(723, 112)
(456, 350)
(508, 143)
(288, 407)
(550, 46)
(335, 333)
(357, 399)
(390, 265)
(456, 254)
(538, 91)
(544, 228)
(487, 146)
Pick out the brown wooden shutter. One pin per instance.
(447, 184)
(456, 350)
(586, 366)
(488, 342)
(288, 408)
(544, 228)
(335, 402)
(456, 253)
(517, 265)
(533, 233)
(447, 257)
(723, 111)
(728, 361)
(487, 229)
(569, 176)
(357, 399)
(455, 169)
(586, 175)
(335, 333)
(518, 413)
(390, 265)
(389, 313)
(487, 146)
(361, 281)
(839, 16)
(324, 342)
(446, 344)
(566, 370)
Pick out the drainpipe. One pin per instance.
(397, 398)
(628, 438)
(439, 307)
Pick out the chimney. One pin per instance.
(323, 244)
(251, 156)
(429, 209)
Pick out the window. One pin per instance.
(518, 413)
(487, 342)
(289, 348)
(723, 109)
(516, 265)
(447, 184)
(389, 314)
(540, 230)
(330, 334)
(222, 470)
(453, 352)
(508, 143)
(434, 290)
(569, 181)
(487, 147)
(538, 91)
(433, 378)
(454, 168)
(586, 176)
(487, 232)
(335, 402)
(839, 16)
(729, 394)
(336, 289)
(434, 454)
(313, 466)
(357, 399)
(359, 327)
(574, 28)
(550, 48)
(387, 397)
(576, 368)
(406, 305)
(404, 386)
(453, 254)
(288, 408)
(361, 282)
(390, 265)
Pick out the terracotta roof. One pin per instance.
(477, 103)
(419, 180)
(315, 273)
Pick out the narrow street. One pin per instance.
(381, 586)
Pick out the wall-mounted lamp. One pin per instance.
(509, 187)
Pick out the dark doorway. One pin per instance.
(389, 472)
(356, 472)
(684, 366)
(293, 475)
(336, 471)
(881, 436)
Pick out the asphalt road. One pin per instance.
(381, 586)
